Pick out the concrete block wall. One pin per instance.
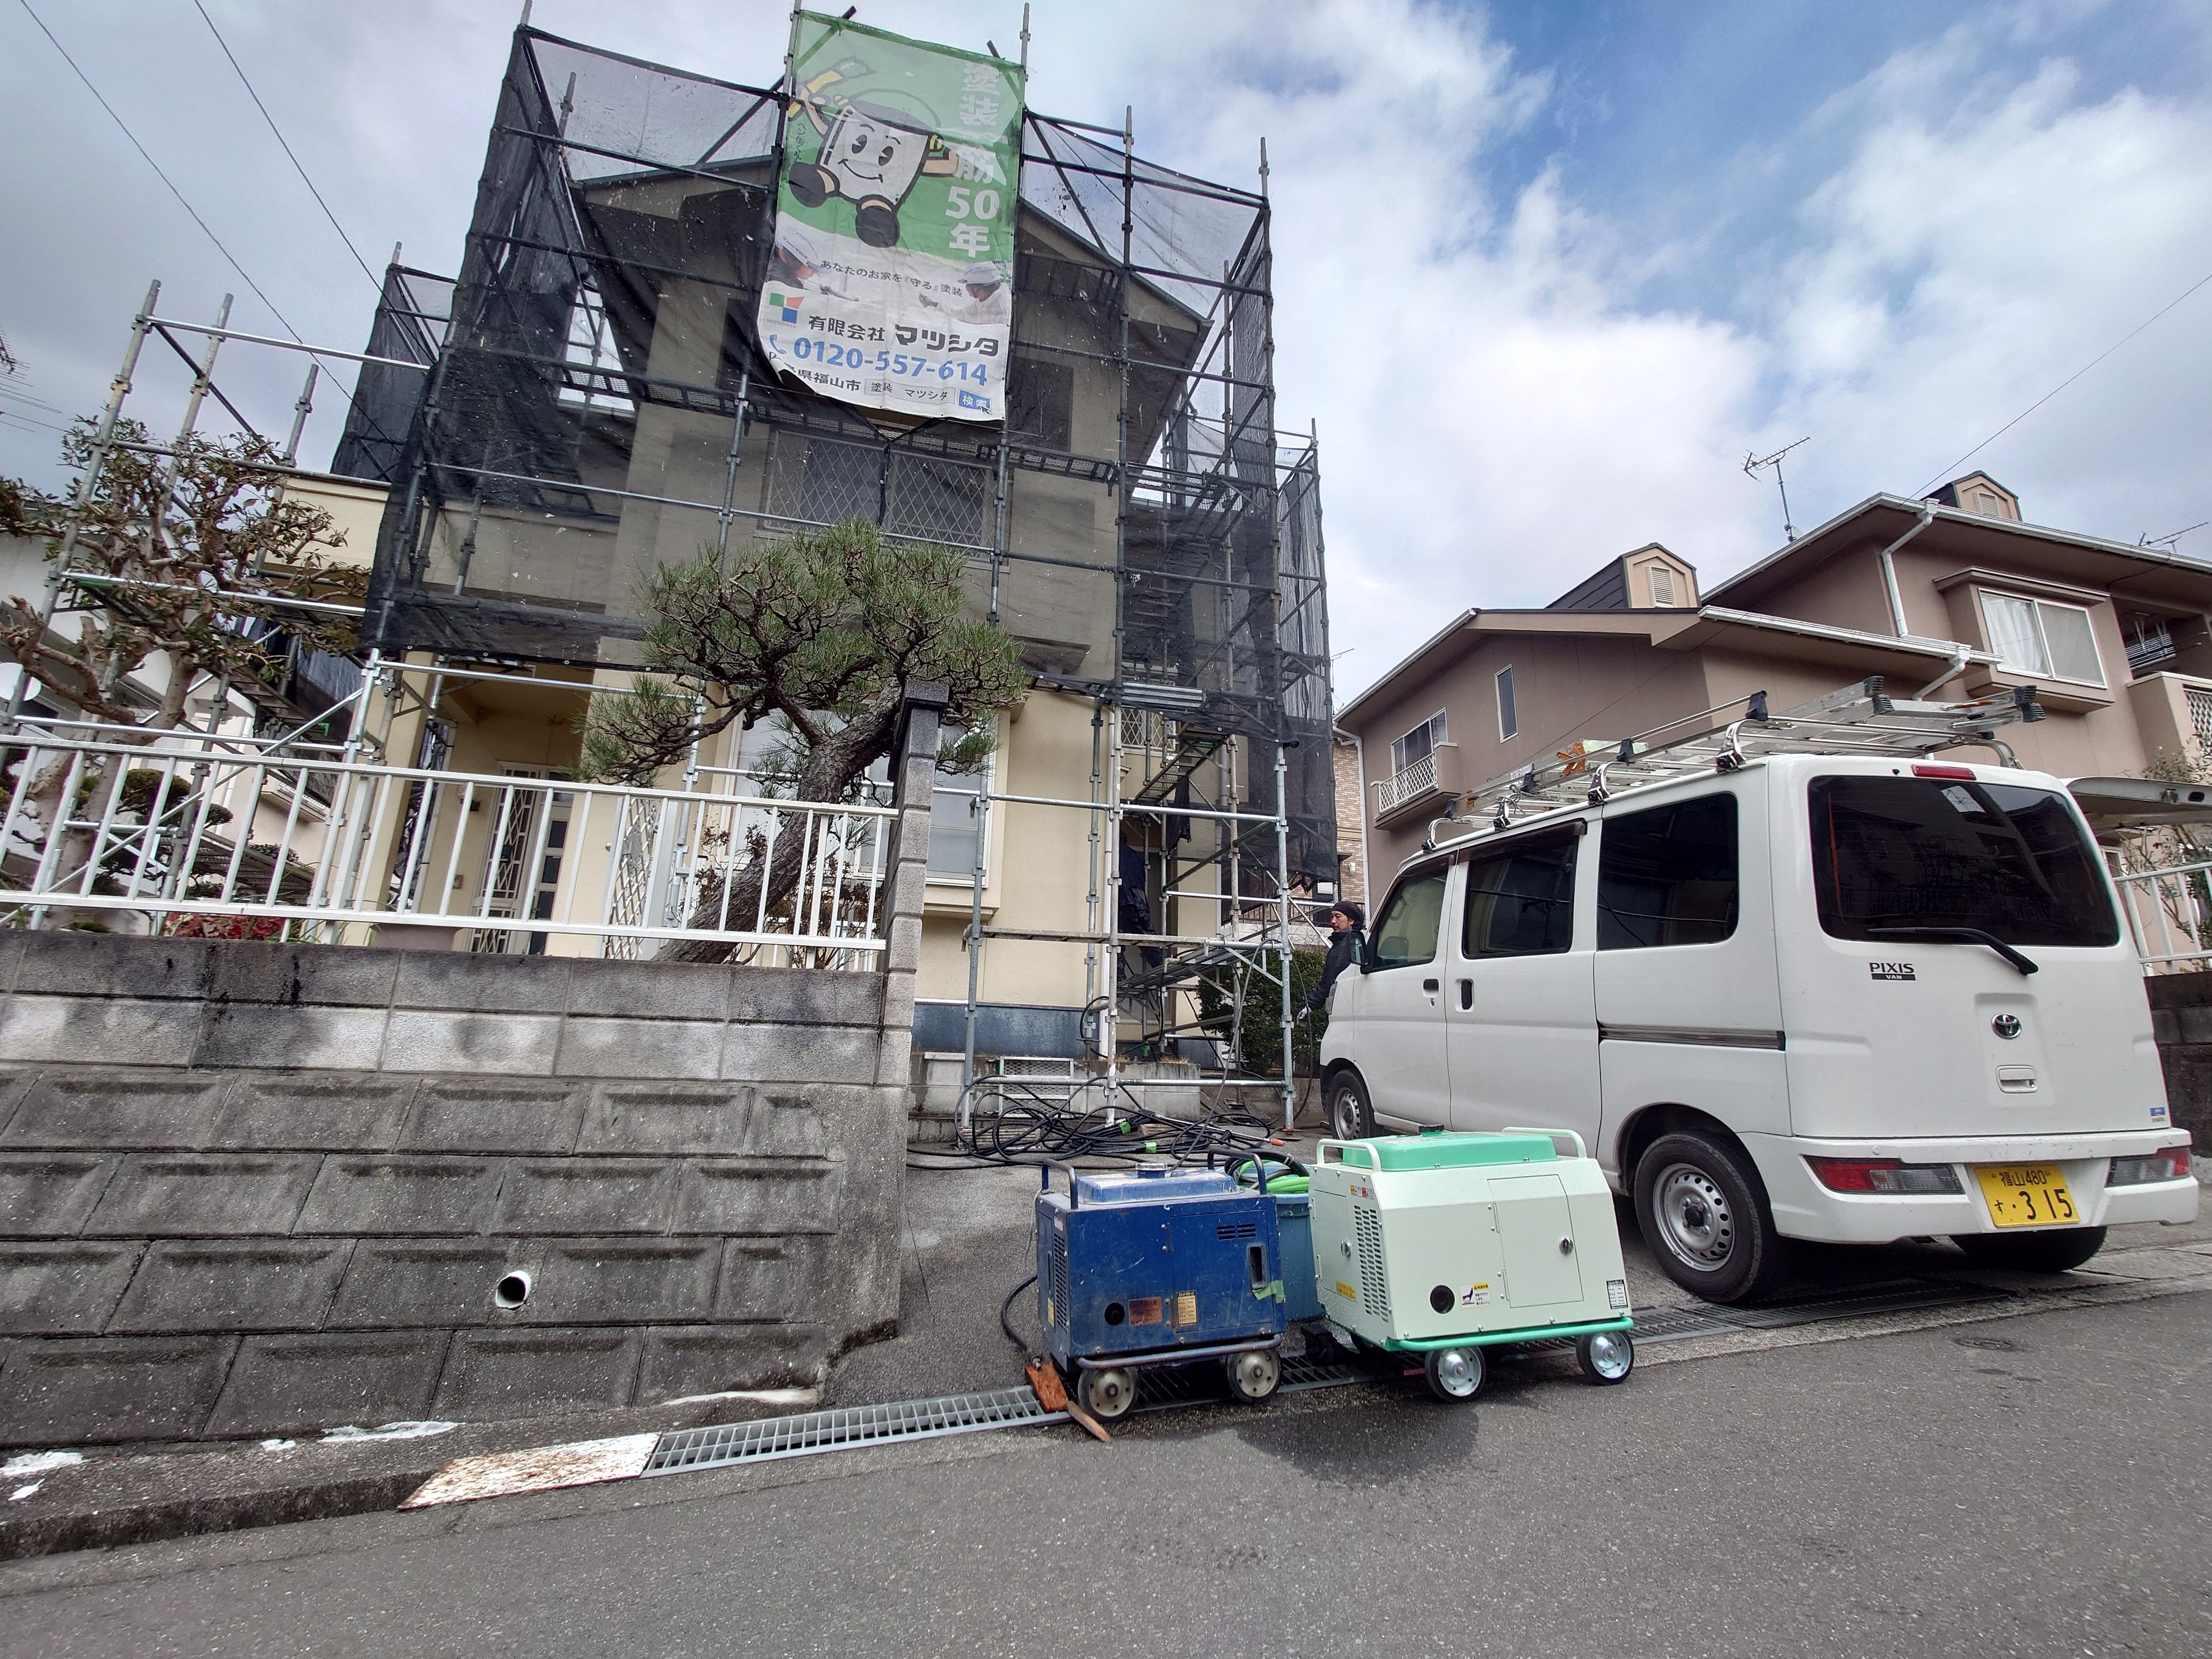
(2181, 1020)
(252, 1189)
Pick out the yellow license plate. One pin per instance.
(2026, 1195)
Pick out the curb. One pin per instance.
(104, 1502)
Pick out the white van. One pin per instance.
(1818, 996)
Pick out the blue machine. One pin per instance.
(1157, 1267)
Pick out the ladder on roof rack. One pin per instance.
(1858, 719)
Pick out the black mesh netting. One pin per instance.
(598, 404)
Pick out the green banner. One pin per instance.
(891, 284)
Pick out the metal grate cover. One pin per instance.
(846, 1426)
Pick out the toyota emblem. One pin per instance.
(2006, 1026)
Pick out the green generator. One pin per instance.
(1441, 1245)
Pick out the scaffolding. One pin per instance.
(598, 403)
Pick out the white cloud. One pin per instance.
(1501, 408)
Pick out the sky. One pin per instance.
(1545, 273)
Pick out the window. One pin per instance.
(2037, 636)
(1663, 585)
(1416, 745)
(1521, 898)
(1668, 876)
(1406, 932)
(1508, 720)
(955, 821)
(1922, 853)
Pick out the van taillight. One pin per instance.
(1929, 769)
(2168, 1164)
(1883, 1175)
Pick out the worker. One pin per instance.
(1346, 919)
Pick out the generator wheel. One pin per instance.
(1254, 1375)
(1606, 1356)
(1454, 1375)
(1107, 1394)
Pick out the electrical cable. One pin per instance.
(148, 157)
(1954, 466)
(287, 147)
(1040, 1122)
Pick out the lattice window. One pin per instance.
(2200, 716)
(939, 500)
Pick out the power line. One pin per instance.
(164, 177)
(2062, 384)
(287, 147)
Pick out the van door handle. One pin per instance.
(1429, 986)
(1467, 993)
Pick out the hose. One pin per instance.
(1052, 1123)
(1008, 1307)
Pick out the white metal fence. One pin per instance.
(196, 838)
(2169, 911)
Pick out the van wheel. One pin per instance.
(1702, 1210)
(1350, 1116)
(2052, 1252)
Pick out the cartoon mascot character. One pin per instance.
(873, 148)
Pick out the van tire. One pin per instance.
(2052, 1252)
(1703, 1209)
(1351, 1117)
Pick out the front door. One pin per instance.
(1522, 1016)
(1402, 1025)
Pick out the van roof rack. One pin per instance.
(1858, 719)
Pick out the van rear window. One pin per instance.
(1927, 852)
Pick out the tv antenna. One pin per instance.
(1752, 468)
(2168, 541)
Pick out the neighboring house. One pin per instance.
(1950, 598)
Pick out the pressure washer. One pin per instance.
(1157, 1267)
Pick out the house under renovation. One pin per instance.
(658, 344)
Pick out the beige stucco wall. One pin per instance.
(1570, 688)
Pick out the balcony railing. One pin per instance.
(199, 842)
(1426, 783)
(2169, 912)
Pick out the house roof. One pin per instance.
(2152, 575)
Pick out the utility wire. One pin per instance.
(287, 147)
(164, 177)
(2062, 384)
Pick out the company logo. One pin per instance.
(2006, 1026)
(786, 305)
(1891, 970)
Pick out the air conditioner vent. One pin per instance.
(1374, 1288)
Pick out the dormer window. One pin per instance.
(2042, 637)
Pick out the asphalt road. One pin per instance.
(2031, 1486)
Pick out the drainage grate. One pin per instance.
(1861, 1300)
(846, 1426)
(1672, 1324)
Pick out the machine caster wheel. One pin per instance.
(1254, 1375)
(1107, 1394)
(1454, 1375)
(1606, 1356)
